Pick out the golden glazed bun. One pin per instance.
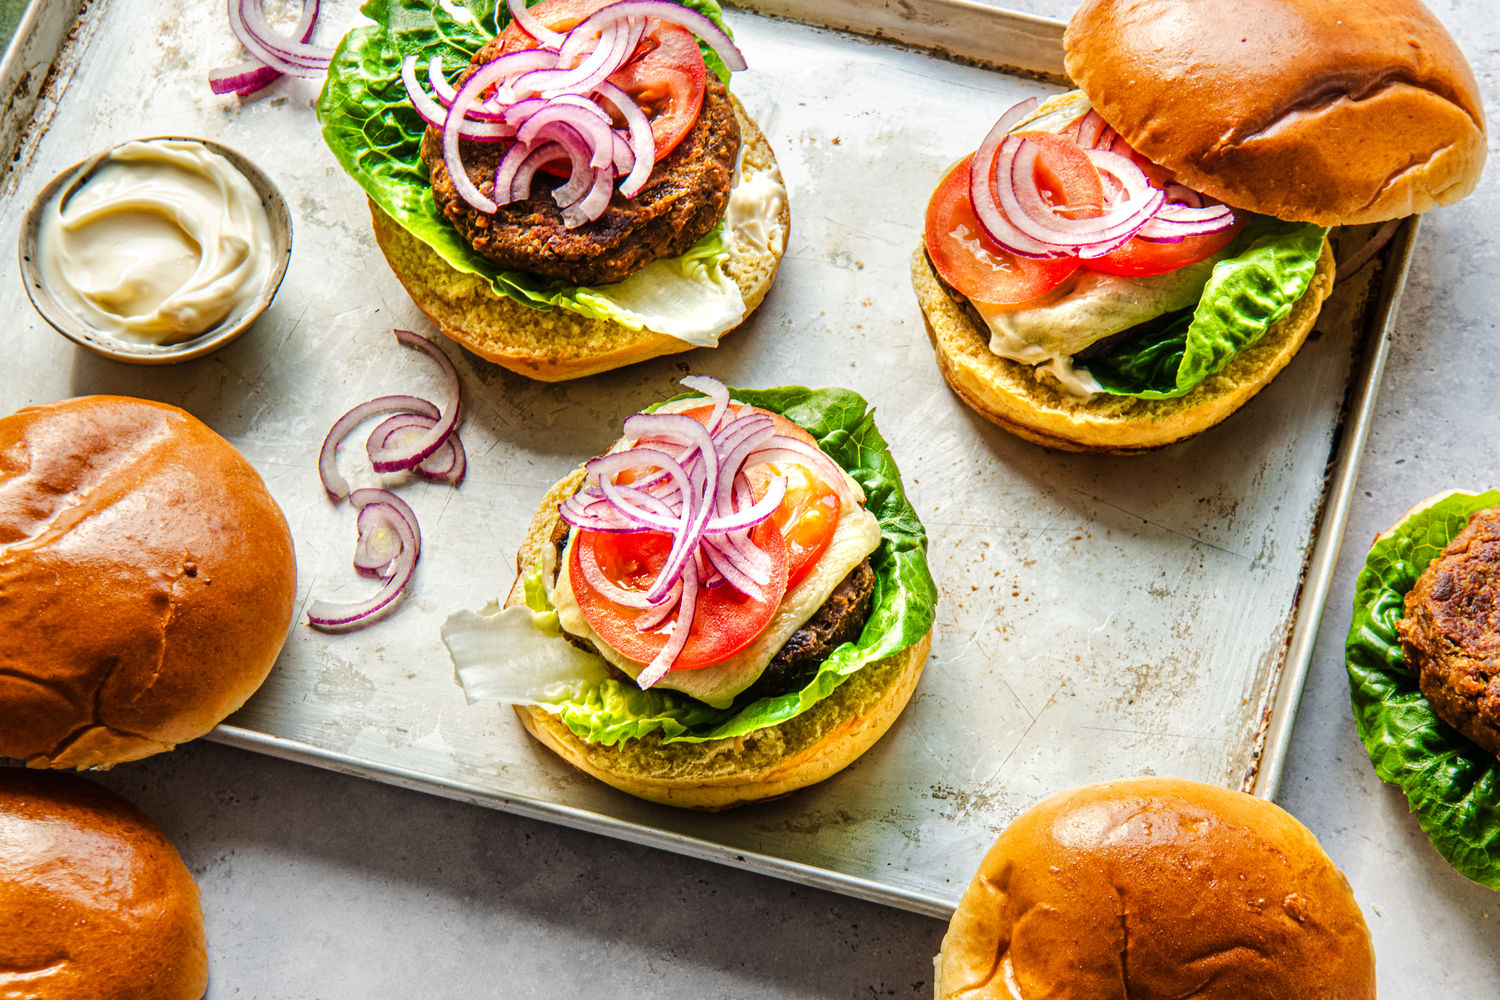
(146, 581)
(720, 774)
(95, 902)
(1151, 888)
(1329, 112)
(554, 345)
(1036, 407)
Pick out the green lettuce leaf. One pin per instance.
(376, 136)
(1451, 785)
(1269, 267)
(901, 612)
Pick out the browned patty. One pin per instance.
(683, 199)
(1451, 632)
(841, 619)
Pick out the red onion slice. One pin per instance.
(663, 10)
(400, 460)
(391, 512)
(336, 485)
(448, 464)
(294, 58)
(433, 113)
(686, 607)
(379, 544)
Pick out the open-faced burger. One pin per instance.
(732, 603)
(566, 188)
(1123, 266)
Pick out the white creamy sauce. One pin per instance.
(696, 302)
(160, 244)
(1086, 308)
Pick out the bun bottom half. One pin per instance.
(722, 774)
(1035, 407)
(553, 345)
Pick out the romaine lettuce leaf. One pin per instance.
(1270, 265)
(1451, 785)
(901, 613)
(376, 136)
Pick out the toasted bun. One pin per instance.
(146, 581)
(1035, 406)
(554, 345)
(1157, 887)
(720, 774)
(95, 901)
(1334, 113)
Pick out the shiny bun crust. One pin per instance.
(95, 901)
(1328, 112)
(555, 345)
(1157, 887)
(1037, 408)
(721, 774)
(146, 581)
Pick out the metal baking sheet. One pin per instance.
(1100, 617)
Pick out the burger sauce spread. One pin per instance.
(159, 243)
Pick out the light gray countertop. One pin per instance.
(318, 885)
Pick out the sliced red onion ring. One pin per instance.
(281, 53)
(686, 478)
(392, 513)
(448, 464)
(435, 114)
(252, 75)
(400, 460)
(379, 544)
(336, 485)
(663, 10)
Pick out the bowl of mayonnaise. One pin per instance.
(156, 250)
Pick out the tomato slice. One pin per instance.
(1140, 257)
(665, 76)
(725, 621)
(976, 265)
(1065, 175)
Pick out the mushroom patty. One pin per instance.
(683, 199)
(1451, 632)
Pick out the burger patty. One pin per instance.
(683, 199)
(1451, 632)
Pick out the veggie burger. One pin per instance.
(1423, 653)
(732, 603)
(566, 188)
(1124, 265)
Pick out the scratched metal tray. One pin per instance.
(1100, 617)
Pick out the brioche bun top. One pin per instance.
(95, 901)
(1157, 887)
(146, 581)
(1310, 110)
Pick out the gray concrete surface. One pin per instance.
(323, 887)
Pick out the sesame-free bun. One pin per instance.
(1156, 887)
(95, 901)
(146, 581)
(1334, 113)
(720, 774)
(556, 344)
(1034, 406)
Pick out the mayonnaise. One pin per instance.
(161, 242)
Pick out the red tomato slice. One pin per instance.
(1143, 257)
(725, 621)
(665, 76)
(1066, 176)
(976, 265)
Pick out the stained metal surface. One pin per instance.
(1100, 616)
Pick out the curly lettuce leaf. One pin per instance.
(1269, 267)
(1451, 785)
(902, 608)
(376, 136)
